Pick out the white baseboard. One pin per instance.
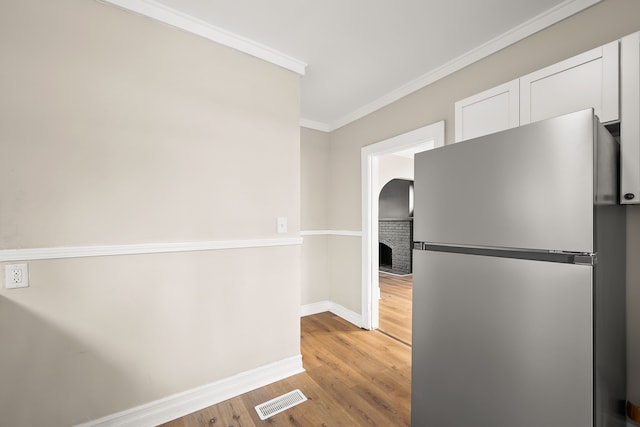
(315, 308)
(346, 314)
(181, 404)
(337, 309)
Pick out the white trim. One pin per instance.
(370, 283)
(7, 255)
(346, 314)
(181, 404)
(431, 136)
(315, 308)
(353, 233)
(423, 136)
(337, 309)
(312, 124)
(162, 13)
(610, 81)
(538, 23)
(193, 25)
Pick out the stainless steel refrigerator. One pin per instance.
(519, 280)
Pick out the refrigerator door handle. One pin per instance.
(585, 259)
(578, 258)
(420, 246)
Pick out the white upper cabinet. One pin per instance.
(491, 111)
(630, 119)
(588, 80)
(606, 79)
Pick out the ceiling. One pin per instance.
(357, 56)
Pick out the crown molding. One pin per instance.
(315, 125)
(538, 23)
(159, 12)
(162, 13)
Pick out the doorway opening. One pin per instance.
(422, 139)
(395, 214)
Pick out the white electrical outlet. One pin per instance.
(16, 276)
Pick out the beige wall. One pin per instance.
(607, 21)
(314, 165)
(345, 270)
(314, 169)
(117, 129)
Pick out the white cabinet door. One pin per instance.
(630, 119)
(588, 80)
(487, 112)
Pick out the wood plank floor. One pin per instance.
(353, 378)
(395, 305)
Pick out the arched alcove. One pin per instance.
(395, 227)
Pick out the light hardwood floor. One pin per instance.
(353, 378)
(395, 305)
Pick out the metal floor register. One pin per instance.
(279, 404)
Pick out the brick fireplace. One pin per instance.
(395, 227)
(395, 237)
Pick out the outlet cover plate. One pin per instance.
(281, 224)
(16, 276)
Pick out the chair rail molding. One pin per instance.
(31, 254)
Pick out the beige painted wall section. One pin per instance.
(345, 270)
(345, 199)
(94, 336)
(314, 167)
(602, 23)
(125, 130)
(314, 178)
(314, 284)
(146, 121)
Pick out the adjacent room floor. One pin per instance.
(395, 306)
(352, 377)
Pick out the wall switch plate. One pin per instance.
(16, 276)
(281, 224)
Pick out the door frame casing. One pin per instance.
(425, 138)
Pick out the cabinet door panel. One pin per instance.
(630, 119)
(487, 112)
(588, 80)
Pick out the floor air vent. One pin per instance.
(279, 404)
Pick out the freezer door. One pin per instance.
(501, 342)
(530, 187)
